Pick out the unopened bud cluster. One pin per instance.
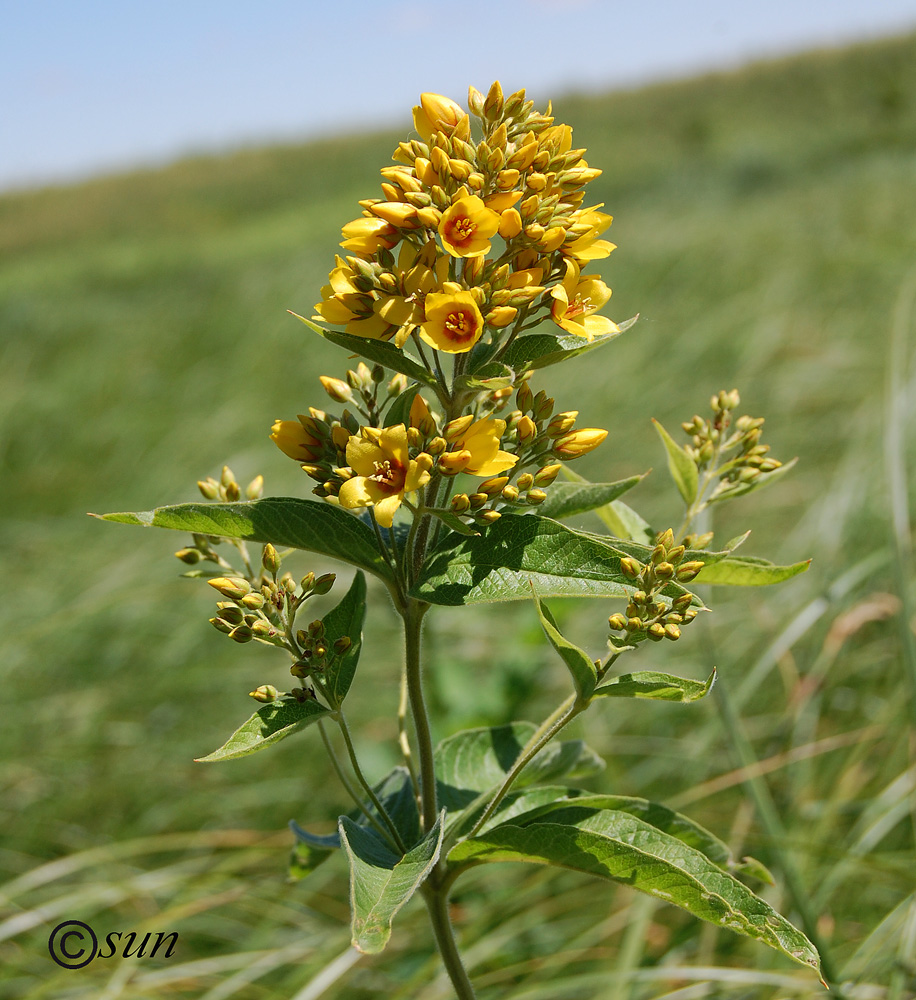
(227, 490)
(738, 458)
(647, 615)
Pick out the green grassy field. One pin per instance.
(765, 222)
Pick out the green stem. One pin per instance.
(404, 739)
(361, 778)
(437, 905)
(348, 786)
(549, 728)
(413, 623)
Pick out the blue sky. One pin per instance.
(97, 86)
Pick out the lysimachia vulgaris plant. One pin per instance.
(437, 470)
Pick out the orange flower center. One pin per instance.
(578, 306)
(460, 326)
(389, 475)
(462, 230)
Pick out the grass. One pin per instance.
(765, 223)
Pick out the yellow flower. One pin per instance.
(466, 227)
(575, 301)
(477, 450)
(436, 113)
(453, 322)
(384, 472)
(587, 225)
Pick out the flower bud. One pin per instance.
(575, 443)
(545, 476)
(562, 423)
(672, 632)
(525, 481)
(664, 571)
(324, 583)
(617, 621)
(535, 497)
(189, 556)
(500, 316)
(221, 626)
(255, 489)
(209, 488)
(488, 516)
(493, 486)
(342, 644)
(656, 631)
(478, 500)
(527, 430)
(460, 503)
(265, 693)
(252, 601)
(270, 559)
(241, 633)
(453, 462)
(630, 567)
(337, 389)
(510, 494)
(230, 587)
(687, 571)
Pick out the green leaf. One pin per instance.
(454, 522)
(747, 571)
(373, 350)
(682, 467)
(304, 859)
(478, 760)
(290, 522)
(623, 522)
(538, 350)
(516, 553)
(345, 620)
(569, 499)
(528, 806)
(580, 664)
(399, 411)
(651, 684)
(271, 723)
(488, 378)
(616, 845)
(381, 882)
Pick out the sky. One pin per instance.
(96, 86)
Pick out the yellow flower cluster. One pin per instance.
(489, 234)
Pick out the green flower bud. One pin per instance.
(687, 571)
(510, 494)
(233, 587)
(478, 500)
(656, 632)
(324, 583)
(545, 476)
(342, 644)
(255, 489)
(617, 621)
(265, 693)
(664, 571)
(209, 488)
(535, 497)
(241, 633)
(672, 632)
(221, 626)
(262, 629)
(189, 556)
(630, 567)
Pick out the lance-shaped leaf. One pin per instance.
(682, 467)
(569, 499)
(525, 806)
(373, 350)
(475, 762)
(345, 620)
(651, 684)
(399, 411)
(618, 846)
(580, 664)
(381, 882)
(748, 571)
(487, 379)
(538, 350)
(271, 723)
(304, 859)
(290, 522)
(517, 553)
(621, 521)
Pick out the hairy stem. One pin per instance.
(437, 904)
(549, 728)
(413, 622)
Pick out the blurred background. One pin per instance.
(173, 180)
